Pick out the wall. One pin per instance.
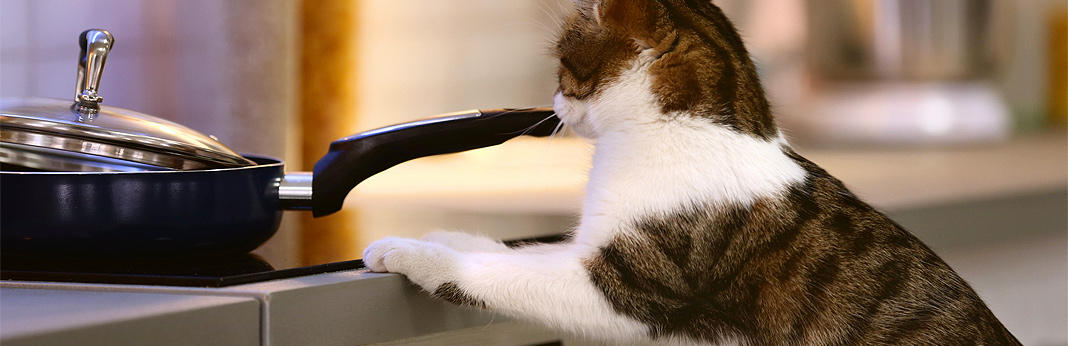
(420, 58)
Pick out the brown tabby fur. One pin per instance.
(702, 69)
(816, 266)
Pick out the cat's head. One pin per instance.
(627, 62)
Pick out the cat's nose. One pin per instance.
(560, 103)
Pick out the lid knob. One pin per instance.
(95, 45)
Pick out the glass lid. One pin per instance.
(58, 135)
(56, 129)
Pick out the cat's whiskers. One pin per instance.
(545, 30)
(506, 111)
(530, 128)
(549, 12)
(559, 130)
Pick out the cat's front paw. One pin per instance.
(465, 242)
(427, 264)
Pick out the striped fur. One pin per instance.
(814, 267)
(701, 226)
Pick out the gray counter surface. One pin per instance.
(343, 308)
(63, 317)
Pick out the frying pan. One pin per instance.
(203, 203)
(225, 210)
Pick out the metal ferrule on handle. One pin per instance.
(295, 191)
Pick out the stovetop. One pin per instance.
(190, 272)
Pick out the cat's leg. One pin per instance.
(465, 242)
(542, 283)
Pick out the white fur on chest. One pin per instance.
(648, 163)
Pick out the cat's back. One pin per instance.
(864, 278)
(814, 267)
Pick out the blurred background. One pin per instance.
(948, 114)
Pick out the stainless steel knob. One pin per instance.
(95, 44)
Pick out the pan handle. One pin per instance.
(353, 159)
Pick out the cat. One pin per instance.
(700, 224)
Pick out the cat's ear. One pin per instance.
(615, 13)
(633, 18)
(590, 9)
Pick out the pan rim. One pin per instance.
(262, 162)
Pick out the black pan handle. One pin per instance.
(353, 159)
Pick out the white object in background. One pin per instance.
(903, 113)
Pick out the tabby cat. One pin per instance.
(700, 225)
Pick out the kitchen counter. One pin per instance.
(74, 317)
(342, 308)
(995, 213)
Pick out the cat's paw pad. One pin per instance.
(464, 242)
(426, 264)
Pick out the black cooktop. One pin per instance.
(191, 272)
(219, 271)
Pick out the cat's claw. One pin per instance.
(426, 264)
(465, 242)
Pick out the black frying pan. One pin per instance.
(223, 211)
